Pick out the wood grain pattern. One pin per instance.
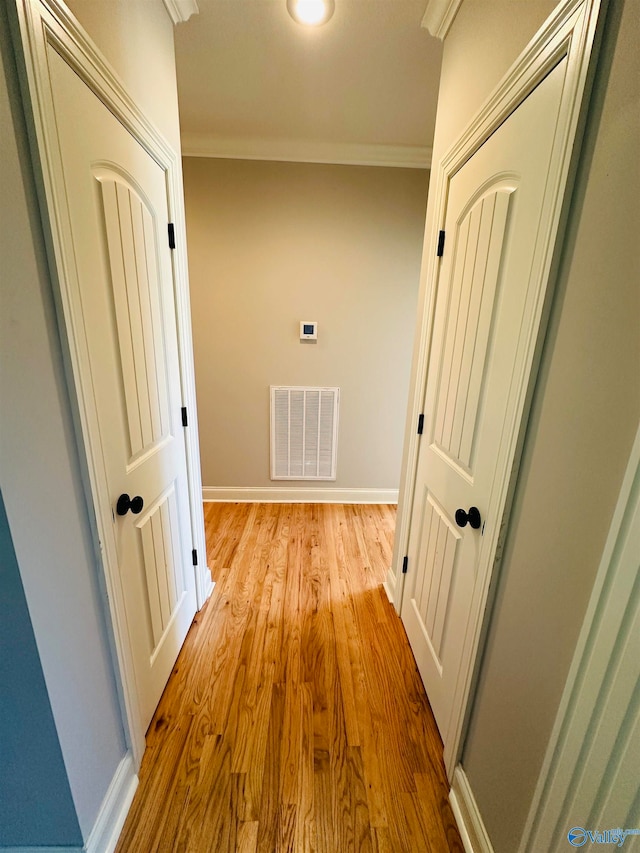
(294, 719)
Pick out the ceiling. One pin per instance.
(362, 88)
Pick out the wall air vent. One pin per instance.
(304, 433)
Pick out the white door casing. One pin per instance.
(569, 33)
(484, 303)
(45, 34)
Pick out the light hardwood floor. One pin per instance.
(294, 719)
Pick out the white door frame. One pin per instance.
(569, 32)
(43, 23)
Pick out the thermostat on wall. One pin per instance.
(308, 330)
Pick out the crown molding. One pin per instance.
(439, 16)
(307, 151)
(181, 10)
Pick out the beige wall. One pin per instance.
(136, 37)
(486, 36)
(585, 413)
(271, 244)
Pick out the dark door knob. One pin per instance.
(125, 503)
(472, 518)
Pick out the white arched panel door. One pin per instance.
(486, 304)
(116, 196)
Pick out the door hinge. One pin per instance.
(440, 251)
(194, 557)
(185, 419)
(172, 236)
(420, 424)
(405, 565)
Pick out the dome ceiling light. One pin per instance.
(311, 13)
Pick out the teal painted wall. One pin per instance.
(36, 807)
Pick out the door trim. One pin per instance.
(475, 838)
(38, 25)
(570, 32)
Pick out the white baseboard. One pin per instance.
(278, 494)
(208, 589)
(389, 585)
(465, 809)
(115, 807)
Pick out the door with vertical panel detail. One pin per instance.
(484, 304)
(118, 215)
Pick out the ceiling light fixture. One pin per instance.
(311, 13)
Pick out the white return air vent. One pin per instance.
(304, 433)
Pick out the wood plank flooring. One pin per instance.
(294, 719)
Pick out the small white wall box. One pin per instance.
(308, 330)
